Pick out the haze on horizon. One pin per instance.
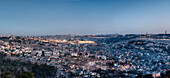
(50, 17)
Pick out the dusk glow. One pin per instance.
(79, 17)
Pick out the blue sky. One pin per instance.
(79, 17)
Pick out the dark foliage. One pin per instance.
(148, 76)
(16, 66)
(7, 74)
(25, 74)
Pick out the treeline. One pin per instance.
(116, 39)
(18, 68)
(10, 74)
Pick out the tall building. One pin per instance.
(166, 32)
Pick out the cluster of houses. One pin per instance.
(128, 58)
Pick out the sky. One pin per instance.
(83, 17)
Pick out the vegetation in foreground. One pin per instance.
(17, 69)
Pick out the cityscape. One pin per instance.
(94, 56)
(84, 39)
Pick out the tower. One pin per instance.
(165, 32)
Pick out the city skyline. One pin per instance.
(83, 17)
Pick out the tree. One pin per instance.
(25, 74)
(148, 76)
(139, 76)
(162, 75)
(7, 74)
(167, 74)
